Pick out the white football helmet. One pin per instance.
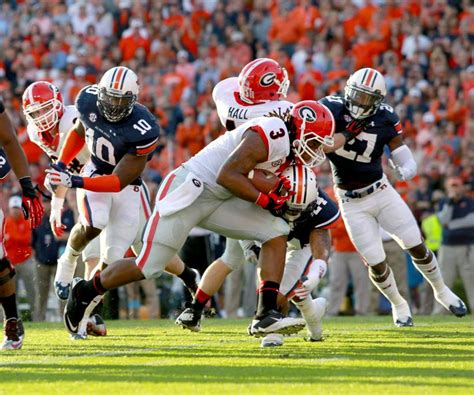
(118, 92)
(364, 92)
(304, 185)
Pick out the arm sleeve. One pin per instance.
(445, 214)
(72, 146)
(403, 158)
(144, 147)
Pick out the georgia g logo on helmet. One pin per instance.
(267, 79)
(307, 113)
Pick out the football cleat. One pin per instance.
(75, 310)
(62, 290)
(78, 336)
(401, 314)
(96, 326)
(314, 324)
(451, 302)
(275, 322)
(189, 319)
(14, 334)
(272, 340)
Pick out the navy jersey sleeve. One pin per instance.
(146, 133)
(4, 165)
(337, 108)
(84, 99)
(323, 212)
(319, 215)
(392, 124)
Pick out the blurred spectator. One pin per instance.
(19, 249)
(345, 267)
(456, 255)
(46, 247)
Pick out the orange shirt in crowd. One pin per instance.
(129, 45)
(286, 30)
(190, 137)
(17, 239)
(308, 84)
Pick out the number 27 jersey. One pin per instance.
(361, 158)
(108, 142)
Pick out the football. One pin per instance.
(264, 180)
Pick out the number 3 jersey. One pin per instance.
(207, 163)
(108, 142)
(361, 158)
(65, 124)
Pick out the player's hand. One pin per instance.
(31, 203)
(398, 170)
(55, 217)
(354, 128)
(272, 201)
(58, 175)
(310, 281)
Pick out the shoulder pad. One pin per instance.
(334, 103)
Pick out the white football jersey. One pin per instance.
(233, 112)
(65, 124)
(207, 163)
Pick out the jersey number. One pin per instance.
(104, 150)
(276, 135)
(142, 126)
(370, 139)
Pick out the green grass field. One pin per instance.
(358, 356)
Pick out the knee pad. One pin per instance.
(233, 256)
(6, 265)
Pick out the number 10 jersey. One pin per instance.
(108, 142)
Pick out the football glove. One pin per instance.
(354, 128)
(31, 203)
(55, 217)
(58, 175)
(310, 281)
(274, 200)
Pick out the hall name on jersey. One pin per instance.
(238, 113)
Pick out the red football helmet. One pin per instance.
(43, 108)
(263, 80)
(312, 126)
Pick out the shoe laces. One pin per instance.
(11, 329)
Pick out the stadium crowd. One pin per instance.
(181, 49)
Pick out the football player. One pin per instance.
(120, 135)
(32, 209)
(364, 126)
(309, 212)
(212, 190)
(258, 91)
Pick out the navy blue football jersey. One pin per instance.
(361, 158)
(320, 214)
(109, 142)
(4, 165)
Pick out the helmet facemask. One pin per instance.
(360, 102)
(43, 116)
(310, 145)
(114, 105)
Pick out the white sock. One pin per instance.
(307, 309)
(389, 288)
(67, 265)
(431, 272)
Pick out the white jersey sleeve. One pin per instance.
(65, 124)
(233, 112)
(207, 163)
